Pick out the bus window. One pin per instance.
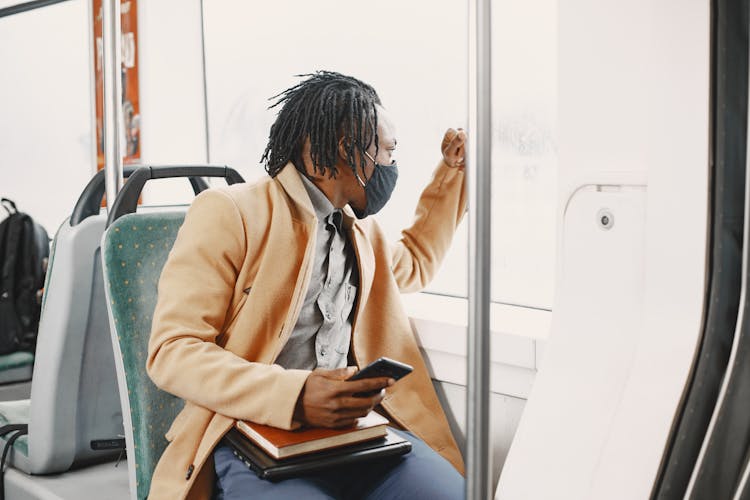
(252, 51)
(46, 126)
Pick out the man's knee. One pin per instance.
(432, 478)
(422, 474)
(235, 481)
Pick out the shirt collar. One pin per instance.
(290, 180)
(320, 202)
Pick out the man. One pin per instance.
(273, 288)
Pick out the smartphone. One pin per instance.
(381, 367)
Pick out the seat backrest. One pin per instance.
(134, 250)
(74, 387)
(135, 247)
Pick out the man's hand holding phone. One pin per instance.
(327, 399)
(381, 367)
(336, 398)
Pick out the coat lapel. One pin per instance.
(302, 211)
(292, 185)
(365, 258)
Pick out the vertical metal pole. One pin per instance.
(93, 55)
(480, 183)
(112, 66)
(205, 82)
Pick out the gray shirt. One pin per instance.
(322, 334)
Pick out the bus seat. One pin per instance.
(73, 381)
(135, 247)
(134, 250)
(74, 415)
(14, 368)
(17, 412)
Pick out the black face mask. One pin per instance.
(378, 189)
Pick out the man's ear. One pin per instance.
(343, 145)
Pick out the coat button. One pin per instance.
(189, 472)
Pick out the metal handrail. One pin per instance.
(480, 183)
(20, 8)
(112, 66)
(205, 82)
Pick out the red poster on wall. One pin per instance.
(129, 74)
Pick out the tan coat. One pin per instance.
(229, 296)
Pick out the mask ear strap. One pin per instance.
(375, 165)
(342, 153)
(359, 179)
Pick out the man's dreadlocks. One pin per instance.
(323, 108)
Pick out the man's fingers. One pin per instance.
(343, 422)
(453, 146)
(364, 385)
(352, 408)
(351, 403)
(349, 387)
(448, 138)
(353, 411)
(351, 414)
(457, 142)
(449, 135)
(460, 138)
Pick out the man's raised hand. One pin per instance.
(454, 147)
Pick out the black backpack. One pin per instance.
(24, 250)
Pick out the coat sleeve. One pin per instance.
(195, 292)
(416, 257)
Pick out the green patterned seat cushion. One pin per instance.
(16, 360)
(16, 412)
(134, 250)
(16, 367)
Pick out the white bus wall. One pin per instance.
(634, 114)
(518, 340)
(505, 411)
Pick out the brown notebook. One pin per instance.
(279, 443)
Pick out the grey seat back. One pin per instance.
(74, 400)
(74, 415)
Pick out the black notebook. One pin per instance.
(267, 467)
